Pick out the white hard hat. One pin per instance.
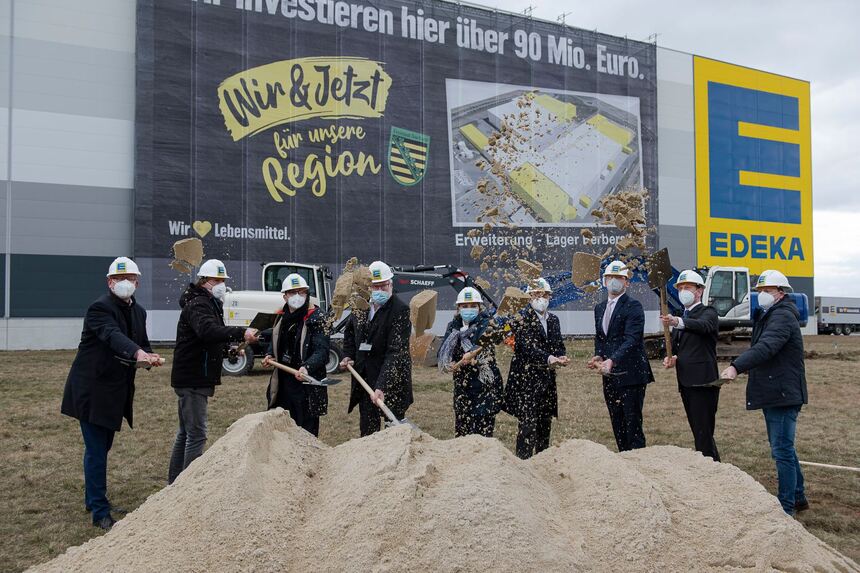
(213, 268)
(380, 272)
(772, 278)
(538, 285)
(293, 281)
(616, 269)
(691, 277)
(469, 295)
(123, 266)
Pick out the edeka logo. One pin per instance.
(753, 169)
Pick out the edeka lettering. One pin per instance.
(314, 171)
(756, 246)
(293, 90)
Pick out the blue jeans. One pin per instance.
(781, 426)
(193, 427)
(97, 443)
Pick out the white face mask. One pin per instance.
(687, 297)
(765, 300)
(296, 300)
(540, 304)
(615, 286)
(123, 289)
(219, 290)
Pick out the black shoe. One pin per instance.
(105, 523)
(113, 509)
(801, 506)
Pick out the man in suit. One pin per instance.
(694, 356)
(99, 390)
(531, 395)
(376, 343)
(619, 354)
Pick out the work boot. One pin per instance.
(801, 506)
(105, 523)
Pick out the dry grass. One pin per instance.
(41, 482)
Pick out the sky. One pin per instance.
(814, 41)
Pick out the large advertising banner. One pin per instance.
(412, 132)
(753, 169)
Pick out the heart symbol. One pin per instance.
(202, 227)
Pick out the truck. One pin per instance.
(837, 315)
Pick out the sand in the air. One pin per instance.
(269, 497)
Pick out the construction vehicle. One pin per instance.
(241, 307)
(837, 315)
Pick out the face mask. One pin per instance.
(469, 314)
(380, 296)
(296, 300)
(219, 290)
(765, 300)
(123, 289)
(615, 286)
(687, 297)
(540, 304)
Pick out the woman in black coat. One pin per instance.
(299, 340)
(531, 395)
(477, 382)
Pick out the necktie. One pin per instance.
(686, 313)
(607, 315)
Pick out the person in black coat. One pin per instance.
(694, 356)
(619, 354)
(777, 381)
(531, 395)
(376, 343)
(99, 390)
(299, 340)
(477, 380)
(201, 336)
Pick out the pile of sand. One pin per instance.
(269, 497)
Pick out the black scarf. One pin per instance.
(290, 334)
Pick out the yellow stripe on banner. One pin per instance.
(401, 161)
(414, 155)
(414, 147)
(404, 179)
(758, 131)
(769, 180)
(398, 169)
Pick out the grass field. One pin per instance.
(41, 479)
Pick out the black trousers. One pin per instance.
(466, 423)
(700, 404)
(291, 397)
(533, 435)
(371, 417)
(625, 410)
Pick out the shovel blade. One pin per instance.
(586, 269)
(659, 269)
(406, 421)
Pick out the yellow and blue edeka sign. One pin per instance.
(753, 169)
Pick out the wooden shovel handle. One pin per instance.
(664, 310)
(285, 368)
(388, 413)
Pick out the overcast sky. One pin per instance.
(817, 41)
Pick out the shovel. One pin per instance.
(263, 321)
(659, 273)
(306, 378)
(388, 413)
(586, 269)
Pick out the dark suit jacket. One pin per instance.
(387, 366)
(624, 343)
(100, 387)
(531, 390)
(696, 347)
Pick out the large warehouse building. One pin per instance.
(732, 171)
